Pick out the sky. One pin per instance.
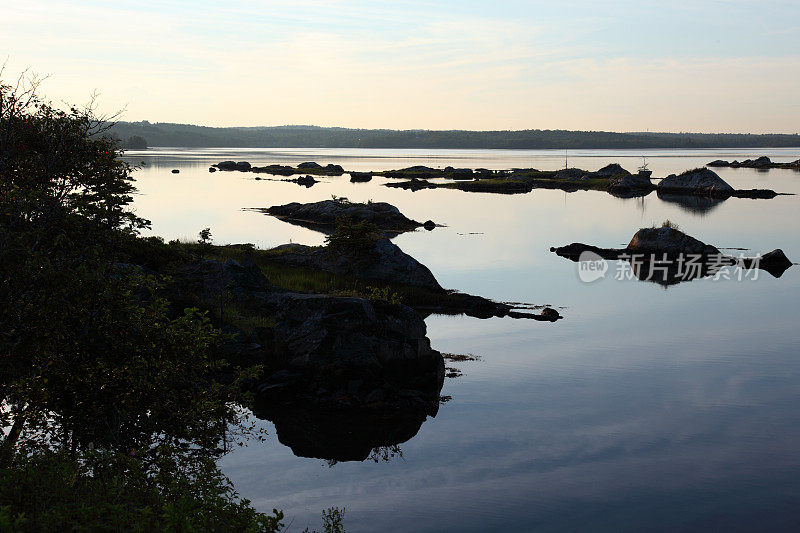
(703, 66)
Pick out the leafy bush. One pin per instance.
(354, 237)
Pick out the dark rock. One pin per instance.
(324, 215)
(413, 184)
(175, 171)
(206, 280)
(550, 313)
(347, 343)
(309, 164)
(775, 260)
(212, 169)
(719, 163)
(569, 174)
(336, 435)
(614, 170)
(652, 245)
(697, 181)
(334, 169)
(417, 171)
(630, 182)
(305, 181)
(360, 177)
(243, 166)
(386, 263)
(277, 170)
(668, 240)
(429, 225)
(461, 174)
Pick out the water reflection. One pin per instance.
(341, 435)
(696, 204)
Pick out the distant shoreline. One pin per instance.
(190, 136)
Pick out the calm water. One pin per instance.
(645, 408)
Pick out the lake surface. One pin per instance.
(645, 408)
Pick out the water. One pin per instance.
(645, 408)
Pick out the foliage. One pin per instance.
(312, 136)
(96, 364)
(51, 491)
(350, 236)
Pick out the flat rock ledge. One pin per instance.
(324, 216)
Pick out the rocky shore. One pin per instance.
(760, 163)
(668, 256)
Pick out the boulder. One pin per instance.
(630, 182)
(309, 164)
(718, 163)
(570, 174)
(360, 177)
(324, 215)
(386, 264)
(762, 162)
(413, 184)
(461, 174)
(242, 166)
(212, 169)
(697, 181)
(668, 240)
(332, 169)
(305, 181)
(614, 170)
(175, 171)
(206, 280)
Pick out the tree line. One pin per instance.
(137, 135)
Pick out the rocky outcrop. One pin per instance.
(324, 215)
(417, 171)
(305, 181)
(667, 240)
(385, 264)
(668, 256)
(242, 166)
(309, 164)
(698, 181)
(360, 177)
(209, 280)
(347, 348)
(630, 182)
(760, 163)
(413, 184)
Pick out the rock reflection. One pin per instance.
(699, 205)
(342, 435)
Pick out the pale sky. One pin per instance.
(711, 66)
